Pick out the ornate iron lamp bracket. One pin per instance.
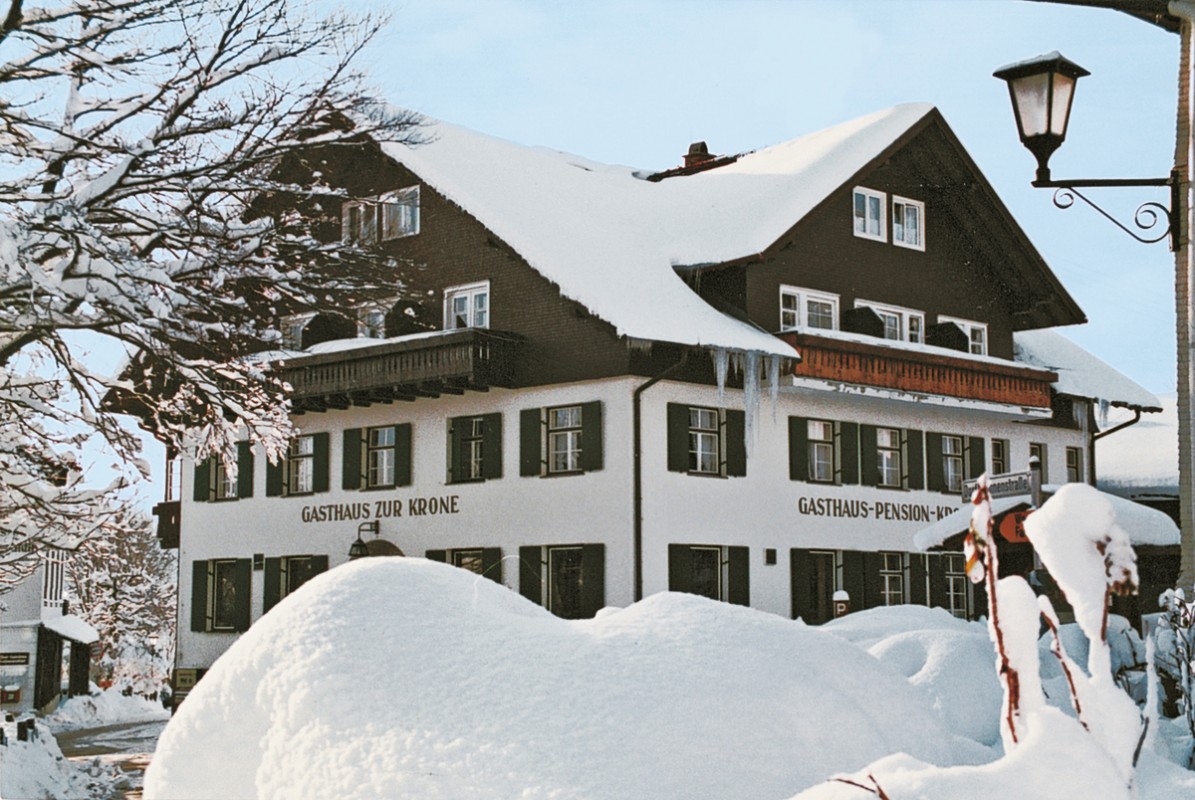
(1147, 214)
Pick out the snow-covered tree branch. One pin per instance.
(135, 138)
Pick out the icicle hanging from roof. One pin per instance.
(774, 381)
(721, 358)
(751, 386)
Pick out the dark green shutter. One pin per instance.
(531, 442)
(915, 459)
(678, 437)
(848, 448)
(272, 584)
(869, 460)
(402, 454)
(979, 600)
(491, 446)
(203, 481)
(437, 555)
(244, 469)
(798, 450)
(937, 581)
(736, 443)
(350, 461)
(976, 457)
(801, 580)
(872, 596)
(491, 563)
(935, 480)
(680, 568)
(242, 572)
(531, 569)
(591, 436)
(319, 565)
(274, 477)
(319, 462)
(738, 576)
(917, 592)
(455, 434)
(199, 587)
(593, 578)
(852, 577)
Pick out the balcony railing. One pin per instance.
(920, 372)
(448, 362)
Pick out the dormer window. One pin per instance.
(467, 306)
(908, 223)
(292, 329)
(806, 308)
(374, 219)
(371, 322)
(977, 334)
(869, 214)
(900, 324)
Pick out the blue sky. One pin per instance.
(634, 82)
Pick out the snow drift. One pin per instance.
(402, 678)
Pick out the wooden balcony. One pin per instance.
(448, 362)
(919, 372)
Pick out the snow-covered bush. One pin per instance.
(1174, 657)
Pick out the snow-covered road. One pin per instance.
(126, 745)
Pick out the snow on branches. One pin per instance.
(136, 138)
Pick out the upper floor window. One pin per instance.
(900, 324)
(999, 456)
(908, 223)
(304, 470)
(375, 457)
(869, 214)
(706, 441)
(821, 450)
(560, 441)
(216, 479)
(892, 579)
(300, 463)
(1039, 451)
(467, 306)
(805, 308)
(373, 219)
(977, 334)
(1074, 465)
(474, 448)
(888, 457)
(292, 329)
(952, 463)
(371, 322)
(381, 449)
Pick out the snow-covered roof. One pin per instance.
(68, 626)
(1144, 525)
(1080, 374)
(595, 230)
(1142, 458)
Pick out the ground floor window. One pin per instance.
(814, 581)
(285, 574)
(956, 584)
(713, 571)
(220, 594)
(484, 561)
(567, 579)
(892, 579)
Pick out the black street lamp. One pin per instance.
(1042, 90)
(359, 549)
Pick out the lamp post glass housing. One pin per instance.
(1042, 90)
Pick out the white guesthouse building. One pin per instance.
(752, 377)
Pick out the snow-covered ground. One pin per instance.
(405, 678)
(108, 707)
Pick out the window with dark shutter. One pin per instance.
(531, 442)
(848, 450)
(271, 584)
(915, 459)
(798, 449)
(593, 579)
(591, 436)
(736, 443)
(320, 479)
(678, 437)
(203, 481)
(244, 469)
(531, 573)
(200, 618)
(738, 576)
(869, 462)
(935, 478)
(352, 474)
(976, 457)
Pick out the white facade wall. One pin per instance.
(19, 622)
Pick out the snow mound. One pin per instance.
(403, 678)
(108, 707)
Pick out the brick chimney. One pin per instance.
(698, 154)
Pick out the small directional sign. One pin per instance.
(1009, 485)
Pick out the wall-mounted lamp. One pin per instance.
(359, 549)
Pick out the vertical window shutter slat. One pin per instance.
(591, 436)
(593, 579)
(680, 568)
(798, 450)
(271, 584)
(738, 574)
(871, 580)
(242, 577)
(915, 460)
(530, 568)
(849, 451)
(454, 448)
(319, 565)
(852, 577)
(979, 599)
(491, 563)
(199, 589)
(274, 477)
(403, 456)
(531, 447)
(678, 438)
(869, 460)
(491, 446)
(244, 469)
(437, 555)
(937, 582)
(976, 456)
(203, 480)
(801, 581)
(736, 443)
(935, 480)
(350, 461)
(917, 593)
(320, 478)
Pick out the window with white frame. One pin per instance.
(564, 439)
(977, 334)
(892, 579)
(952, 463)
(806, 308)
(821, 450)
(1039, 451)
(704, 436)
(999, 456)
(869, 214)
(908, 223)
(956, 584)
(1074, 465)
(226, 481)
(300, 465)
(371, 322)
(888, 457)
(373, 219)
(381, 452)
(467, 306)
(900, 324)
